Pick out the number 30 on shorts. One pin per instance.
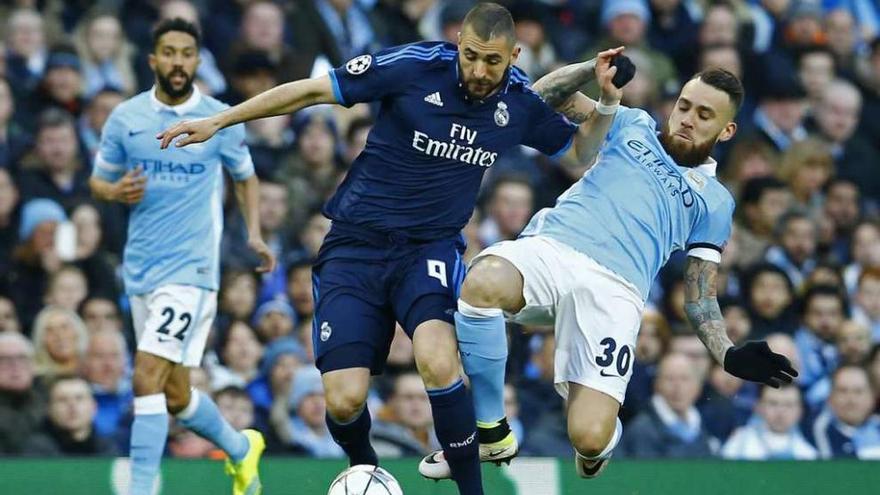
(166, 329)
(623, 358)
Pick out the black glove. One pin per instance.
(754, 361)
(625, 70)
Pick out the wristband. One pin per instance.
(604, 109)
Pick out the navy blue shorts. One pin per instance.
(364, 282)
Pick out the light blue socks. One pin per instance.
(202, 417)
(482, 340)
(148, 434)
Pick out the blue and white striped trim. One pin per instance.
(103, 164)
(337, 91)
(244, 169)
(418, 53)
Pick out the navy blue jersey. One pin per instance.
(425, 157)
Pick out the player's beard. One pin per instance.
(486, 88)
(169, 89)
(686, 153)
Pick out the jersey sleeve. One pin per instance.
(111, 157)
(711, 234)
(627, 116)
(234, 153)
(550, 133)
(376, 76)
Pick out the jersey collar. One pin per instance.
(180, 109)
(709, 167)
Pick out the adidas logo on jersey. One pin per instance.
(434, 99)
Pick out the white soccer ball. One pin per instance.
(364, 479)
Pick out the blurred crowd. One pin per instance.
(802, 269)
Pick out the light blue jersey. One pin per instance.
(635, 207)
(174, 232)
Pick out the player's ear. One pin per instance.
(515, 54)
(728, 132)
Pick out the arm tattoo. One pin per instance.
(701, 306)
(570, 110)
(556, 87)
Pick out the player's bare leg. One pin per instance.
(492, 286)
(436, 353)
(593, 428)
(345, 392)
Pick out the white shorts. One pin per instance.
(174, 321)
(596, 314)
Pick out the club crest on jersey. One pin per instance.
(696, 179)
(359, 65)
(502, 116)
(326, 330)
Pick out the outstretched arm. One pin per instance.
(753, 361)
(701, 306)
(280, 100)
(560, 90)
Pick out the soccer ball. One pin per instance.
(364, 479)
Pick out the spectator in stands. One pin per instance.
(238, 296)
(625, 23)
(101, 314)
(715, 404)
(843, 207)
(725, 56)
(67, 288)
(105, 368)
(305, 427)
(356, 138)
(262, 28)
(843, 40)
(779, 118)
(345, 29)
(240, 352)
(763, 200)
(60, 340)
(865, 250)
(749, 158)
(670, 427)
(69, 428)
(236, 406)
(511, 412)
(510, 207)
(8, 317)
(773, 432)
(837, 118)
(848, 427)
(736, 319)
(651, 344)
(55, 169)
(816, 71)
(274, 319)
(22, 397)
(61, 87)
(299, 288)
(795, 248)
(281, 360)
(35, 258)
(784, 344)
(98, 265)
(853, 343)
(14, 141)
(673, 30)
(869, 125)
(538, 56)
(312, 235)
(541, 407)
(312, 176)
(105, 54)
(806, 167)
(26, 45)
(867, 298)
(824, 310)
(404, 426)
(98, 108)
(9, 201)
(770, 297)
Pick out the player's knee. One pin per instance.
(589, 438)
(177, 398)
(344, 405)
(489, 285)
(438, 370)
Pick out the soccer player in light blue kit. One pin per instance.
(586, 265)
(171, 262)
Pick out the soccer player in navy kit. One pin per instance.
(394, 250)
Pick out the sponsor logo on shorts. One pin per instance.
(467, 441)
(326, 330)
(602, 372)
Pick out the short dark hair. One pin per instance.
(724, 80)
(753, 190)
(54, 117)
(233, 392)
(824, 290)
(490, 20)
(176, 24)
